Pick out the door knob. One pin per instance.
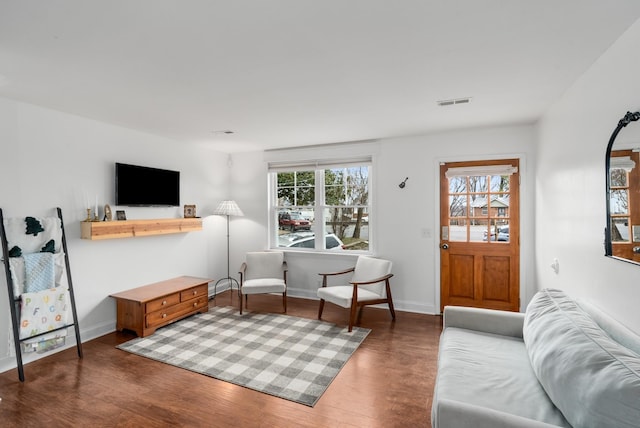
(445, 246)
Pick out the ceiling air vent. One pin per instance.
(451, 102)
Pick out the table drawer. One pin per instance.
(169, 314)
(192, 293)
(162, 302)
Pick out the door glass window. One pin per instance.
(479, 208)
(619, 205)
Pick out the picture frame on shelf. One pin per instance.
(107, 213)
(121, 215)
(189, 211)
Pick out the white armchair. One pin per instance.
(369, 285)
(263, 272)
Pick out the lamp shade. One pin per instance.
(228, 208)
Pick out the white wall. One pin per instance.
(401, 214)
(50, 159)
(570, 183)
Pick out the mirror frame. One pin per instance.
(608, 246)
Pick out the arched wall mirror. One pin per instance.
(622, 163)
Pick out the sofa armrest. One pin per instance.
(487, 320)
(455, 414)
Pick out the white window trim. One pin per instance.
(324, 157)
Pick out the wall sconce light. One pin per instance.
(404, 183)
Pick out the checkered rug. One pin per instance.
(289, 357)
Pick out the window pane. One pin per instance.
(499, 206)
(286, 179)
(286, 196)
(620, 230)
(296, 188)
(335, 195)
(457, 184)
(500, 183)
(479, 206)
(498, 231)
(305, 178)
(618, 177)
(457, 205)
(619, 201)
(305, 196)
(348, 226)
(478, 230)
(478, 184)
(458, 230)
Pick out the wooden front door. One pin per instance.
(479, 234)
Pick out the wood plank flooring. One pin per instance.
(388, 382)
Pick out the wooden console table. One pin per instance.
(146, 308)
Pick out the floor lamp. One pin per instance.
(227, 208)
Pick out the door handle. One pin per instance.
(445, 246)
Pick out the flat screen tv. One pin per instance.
(144, 186)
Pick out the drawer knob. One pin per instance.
(164, 315)
(195, 304)
(164, 302)
(195, 292)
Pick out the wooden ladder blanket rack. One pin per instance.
(16, 301)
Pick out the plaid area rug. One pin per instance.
(289, 357)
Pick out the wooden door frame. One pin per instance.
(524, 267)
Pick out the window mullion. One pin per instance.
(319, 210)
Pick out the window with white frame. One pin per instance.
(321, 206)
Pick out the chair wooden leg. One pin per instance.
(240, 304)
(320, 308)
(390, 300)
(352, 316)
(284, 301)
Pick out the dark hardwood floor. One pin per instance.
(388, 382)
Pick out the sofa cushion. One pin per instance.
(613, 328)
(591, 378)
(491, 371)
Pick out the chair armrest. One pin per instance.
(243, 268)
(373, 281)
(338, 273)
(487, 320)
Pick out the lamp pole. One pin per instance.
(227, 208)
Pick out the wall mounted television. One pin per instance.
(146, 187)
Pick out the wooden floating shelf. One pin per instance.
(95, 230)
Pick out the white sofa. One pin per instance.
(562, 363)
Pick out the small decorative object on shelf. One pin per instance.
(107, 213)
(120, 215)
(88, 215)
(189, 211)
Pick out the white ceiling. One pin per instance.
(283, 73)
